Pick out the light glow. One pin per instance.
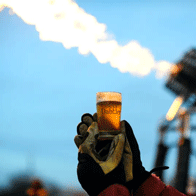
(174, 108)
(175, 69)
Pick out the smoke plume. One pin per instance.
(65, 22)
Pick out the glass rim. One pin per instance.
(109, 92)
(107, 96)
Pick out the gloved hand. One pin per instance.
(133, 169)
(135, 173)
(98, 167)
(130, 169)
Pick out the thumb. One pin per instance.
(115, 154)
(78, 140)
(89, 144)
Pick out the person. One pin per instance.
(114, 168)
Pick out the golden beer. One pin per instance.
(108, 114)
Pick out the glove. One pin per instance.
(97, 169)
(134, 170)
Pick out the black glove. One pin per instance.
(128, 170)
(98, 167)
(135, 168)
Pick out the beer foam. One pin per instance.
(108, 96)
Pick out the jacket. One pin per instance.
(153, 186)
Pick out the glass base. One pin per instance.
(109, 135)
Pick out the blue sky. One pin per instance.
(45, 88)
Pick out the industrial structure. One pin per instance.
(181, 82)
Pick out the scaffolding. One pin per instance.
(182, 82)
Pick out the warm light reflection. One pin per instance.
(174, 108)
(36, 189)
(183, 122)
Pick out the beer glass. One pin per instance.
(108, 114)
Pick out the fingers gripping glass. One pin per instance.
(102, 147)
(86, 121)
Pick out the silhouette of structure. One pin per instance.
(181, 82)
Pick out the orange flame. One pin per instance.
(175, 69)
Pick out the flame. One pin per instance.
(174, 108)
(65, 22)
(175, 69)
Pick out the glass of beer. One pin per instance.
(108, 114)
